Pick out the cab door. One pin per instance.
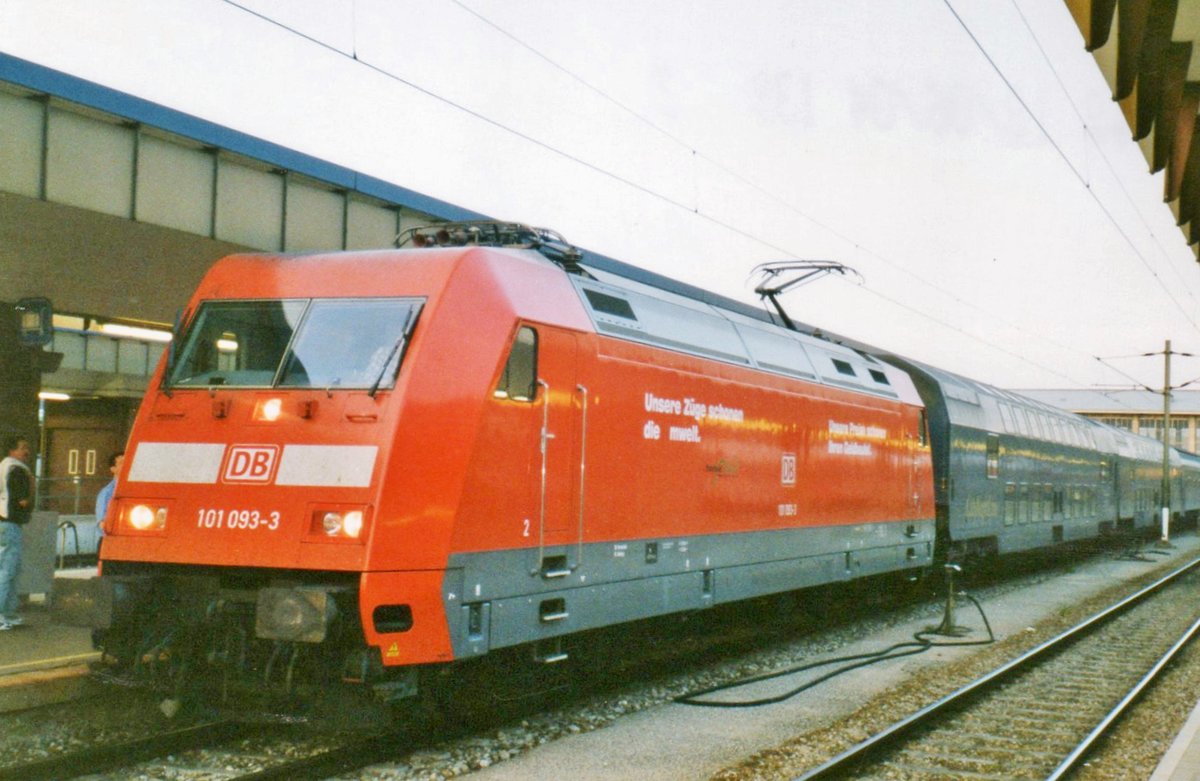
(559, 411)
(539, 436)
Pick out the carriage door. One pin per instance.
(561, 419)
(1116, 490)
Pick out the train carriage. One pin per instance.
(1136, 478)
(1185, 492)
(1013, 474)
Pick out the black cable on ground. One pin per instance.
(920, 643)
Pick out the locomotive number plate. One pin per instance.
(233, 518)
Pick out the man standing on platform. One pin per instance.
(105, 496)
(16, 508)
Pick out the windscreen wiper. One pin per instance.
(383, 369)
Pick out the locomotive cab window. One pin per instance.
(236, 343)
(349, 344)
(315, 343)
(518, 381)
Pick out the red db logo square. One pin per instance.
(250, 464)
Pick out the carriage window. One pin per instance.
(518, 381)
(844, 368)
(993, 456)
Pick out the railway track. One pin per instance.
(103, 758)
(231, 750)
(1041, 714)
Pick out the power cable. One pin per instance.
(920, 643)
(981, 340)
(1129, 377)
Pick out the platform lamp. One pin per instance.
(36, 321)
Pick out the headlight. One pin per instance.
(340, 524)
(268, 409)
(144, 517)
(353, 523)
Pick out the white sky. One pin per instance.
(873, 132)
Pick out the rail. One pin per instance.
(1072, 761)
(889, 738)
(102, 758)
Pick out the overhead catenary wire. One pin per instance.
(1100, 149)
(833, 231)
(662, 197)
(1022, 358)
(1126, 375)
(1074, 170)
(742, 178)
(648, 191)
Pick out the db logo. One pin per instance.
(250, 464)
(787, 471)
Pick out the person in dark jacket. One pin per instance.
(16, 508)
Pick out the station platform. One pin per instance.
(1182, 760)
(43, 662)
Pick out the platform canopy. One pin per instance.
(1147, 51)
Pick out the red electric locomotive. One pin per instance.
(359, 466)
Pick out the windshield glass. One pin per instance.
(318, 343)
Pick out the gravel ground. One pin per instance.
(46, 732)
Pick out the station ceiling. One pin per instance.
(1147, 51)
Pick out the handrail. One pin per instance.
(546, 436)
(62, 530)
(582, 470)
(45, 493)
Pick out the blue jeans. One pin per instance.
(10, 567)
